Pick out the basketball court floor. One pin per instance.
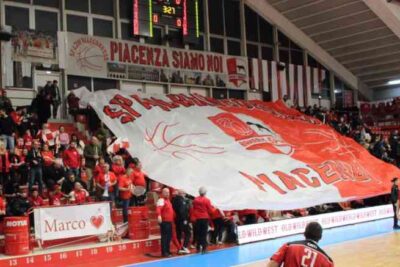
(372, 244)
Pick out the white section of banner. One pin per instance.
(323, 77)
(176, 145)
(300, 85)
(270, 230)
(72, 221)
(316, 82)
(284, 85)
(308, 85)
(265, 77)
(274, 91)
(256, 73)
(291, 81)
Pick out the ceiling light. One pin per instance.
(393, 82)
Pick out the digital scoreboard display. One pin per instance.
(179, 14)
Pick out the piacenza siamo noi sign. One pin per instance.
(269, 230)
(72, 221)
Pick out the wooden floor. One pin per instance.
(378, 251)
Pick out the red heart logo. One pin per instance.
(97, 221)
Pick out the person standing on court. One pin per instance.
(303, 253)
(181, 205)
(165, 216)
(394, 198)
(202, 210)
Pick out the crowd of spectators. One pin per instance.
(349, 122)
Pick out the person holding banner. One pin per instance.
(394, 198)
(165, 216)
(139, 181)
(303, 253)
(125, 187)
(202, 211)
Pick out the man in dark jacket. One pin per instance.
(7, 129)
(55, 97)
(54, 173)
(181, 206)
(92, 154)
(394, 199)
(35, 161)
(18, 205)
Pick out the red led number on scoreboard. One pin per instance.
(155, 18)
(179, 22)
(309, 258)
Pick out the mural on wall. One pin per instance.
(32, 46)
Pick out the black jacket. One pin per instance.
(34, 155)
(7, 125)
(394, 194)
(18, 206)
(181, 207)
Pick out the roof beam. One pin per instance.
(387, 12)
(344, 27)
(324, 11)
(381, 77)
(373, 56)
(334, 19)
(380, 70)
(360, 42)
(375, 64)
(289, 29)
(302, 6)
(352, 35)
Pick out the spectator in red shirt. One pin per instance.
(202, 210)
(35, 200)
(56, 197)
(217, 218)
(303, 253)
(19, 167)
(28, 139)
(4, 164)
(165, 214)
(79, 194)
(99, 169)
(125, 192)
(230, 226)
(3, 205)
(139, 182)
(72, 159)
(105, 185)
(118, 169)
(118, 166)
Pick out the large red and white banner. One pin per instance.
(72, 221)
(100, 57)
(249, 154)
(270, 230)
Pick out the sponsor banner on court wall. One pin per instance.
(269, 230)
(100, 57)
(72, 221)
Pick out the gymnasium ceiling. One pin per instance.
(352, 33)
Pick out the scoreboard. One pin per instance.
(180, 14)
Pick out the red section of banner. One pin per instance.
(338, 160)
